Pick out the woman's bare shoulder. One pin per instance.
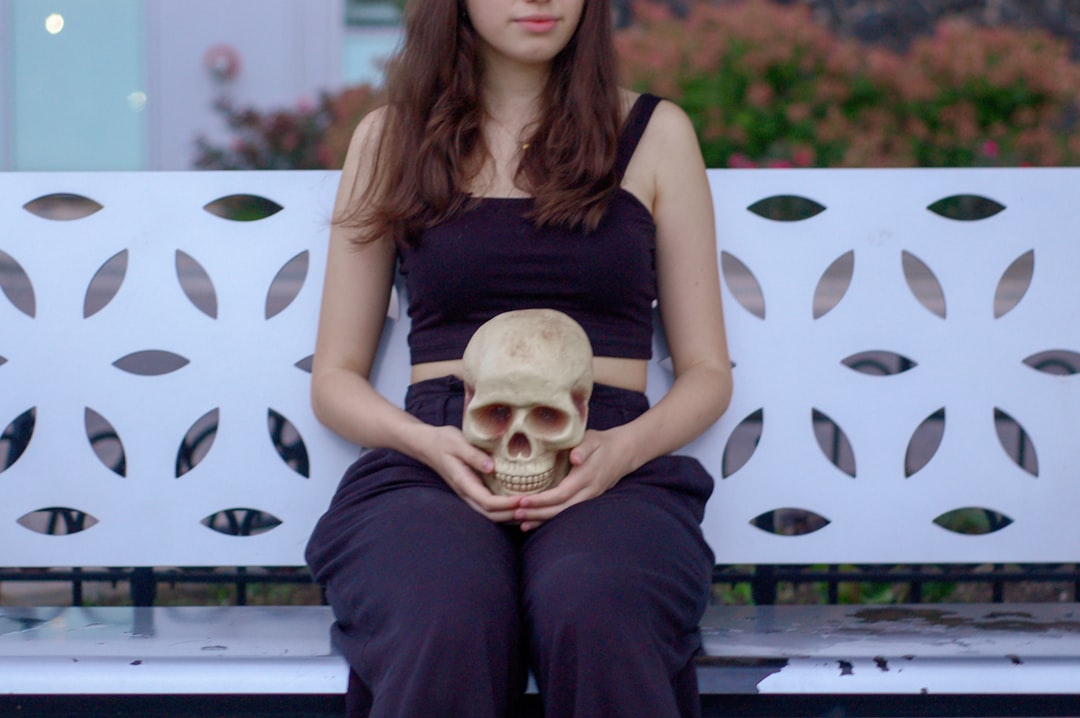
(369, 129)
(666, 119)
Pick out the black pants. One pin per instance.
(441, 612)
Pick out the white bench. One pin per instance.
(152, 319)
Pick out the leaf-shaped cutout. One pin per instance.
(833, 442)
(16, 285)
(243, 207)
(197, 442)
(16, 438)
(151, 362)
(105, 283)
(241, 522)
(833, 284)
(879, 363)
(105, 442)
(1014, 284)
(288, 443)
(57, 521)
(742, 443)
(62, 207)
(786, 208)
(966, 207)
(790, 522)
(972, 521)
(923, 284)
(742, 284)
(1016, 442)
(196, 283)
(305, 363)
(1060, 362)
(287, 284)
(924, 443)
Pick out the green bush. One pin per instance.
(310, 136)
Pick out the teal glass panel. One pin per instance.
(78, 85)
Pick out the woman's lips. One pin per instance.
(538, 24)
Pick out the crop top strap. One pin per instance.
(634, 127)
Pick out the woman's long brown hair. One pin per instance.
(431, 145)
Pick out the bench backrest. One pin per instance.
(152, 374)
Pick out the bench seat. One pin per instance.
(749, 650)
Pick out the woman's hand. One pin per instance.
(460, 464)
(596, 464)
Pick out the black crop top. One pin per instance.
(491, 259)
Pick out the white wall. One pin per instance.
(289, 49)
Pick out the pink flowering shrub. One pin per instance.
(766, 86)
(986, 96)
(310, 136)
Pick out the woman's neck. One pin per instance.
(512, 91)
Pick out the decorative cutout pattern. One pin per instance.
(16, 438)
(742, 443)
(918, 319)
(834, 443)
(924, 443)
(288, 443)
(197, 442)
(243, 207)
(241, 522)
(57, 521)
(973, 521)
(790, 522)
(286, 285)
(152, 362)
(98, 333)
(105, 442)
(1061, 362)
(62, 207)
(1016, 442)
(1014, 284)
(924, 285)
(881, 364)
(743, 285)
(834, 284)
(966, 207)
(105, 284)
(786, 208)
(196, 284)
(16, 285)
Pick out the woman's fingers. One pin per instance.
(595, 466)
(466, 482)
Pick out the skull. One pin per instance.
(528, 379)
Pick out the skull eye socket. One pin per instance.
(545, 419)
(493, 418)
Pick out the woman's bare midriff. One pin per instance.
(613, 371)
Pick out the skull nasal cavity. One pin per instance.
(519, 446)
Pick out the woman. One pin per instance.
(508, 170)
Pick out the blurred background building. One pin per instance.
(130, 84)
(218, 84)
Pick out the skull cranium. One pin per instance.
(528, 379)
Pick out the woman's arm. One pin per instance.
(690, 307)
(356, 293)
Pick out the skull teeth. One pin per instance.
(524, 484)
